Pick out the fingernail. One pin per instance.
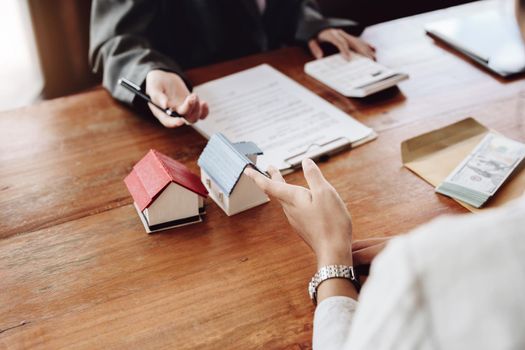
(308, 163)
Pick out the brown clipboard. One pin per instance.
(434, 155)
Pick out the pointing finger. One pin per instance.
(281, 191)
(313, 176)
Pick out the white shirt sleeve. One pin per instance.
(454, 283)
(390, 314)
(388, 308)
(332, 320)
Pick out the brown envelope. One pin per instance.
(434, 155)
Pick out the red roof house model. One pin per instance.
(154, 172)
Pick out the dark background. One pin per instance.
(370, 12)
(62, 33)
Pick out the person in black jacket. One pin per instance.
(152, 42)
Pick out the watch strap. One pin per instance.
(329, 272)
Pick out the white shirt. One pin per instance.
(455, 283)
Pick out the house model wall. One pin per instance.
(222, 173)
(165, 193)
(174, 203)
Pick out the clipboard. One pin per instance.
(434, 155)
(319, 152)
(287, 121)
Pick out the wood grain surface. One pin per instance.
(78, 271)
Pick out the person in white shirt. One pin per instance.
(454, 283)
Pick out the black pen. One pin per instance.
(134, 88)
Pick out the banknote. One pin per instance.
(489, 165)
(479, 176)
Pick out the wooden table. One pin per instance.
(77, 269)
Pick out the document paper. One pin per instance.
(286, 121)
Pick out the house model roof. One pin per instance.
(153, 173)
(225, 162)
(247, 148)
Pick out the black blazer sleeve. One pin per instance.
(120, 44)
(311, 22)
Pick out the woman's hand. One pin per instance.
(343, 41)
(364, 251)
(168, 90)
(318, 214)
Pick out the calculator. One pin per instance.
(358, 77)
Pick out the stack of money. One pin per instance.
(481, 174)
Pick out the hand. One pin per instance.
(168, 90)
(343, 41)
(318, 214)
(364, 251)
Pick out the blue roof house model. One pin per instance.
(222, 166)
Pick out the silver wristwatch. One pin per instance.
(328, 272)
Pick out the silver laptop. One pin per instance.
(490, 38)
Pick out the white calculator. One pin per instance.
(358, 77)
